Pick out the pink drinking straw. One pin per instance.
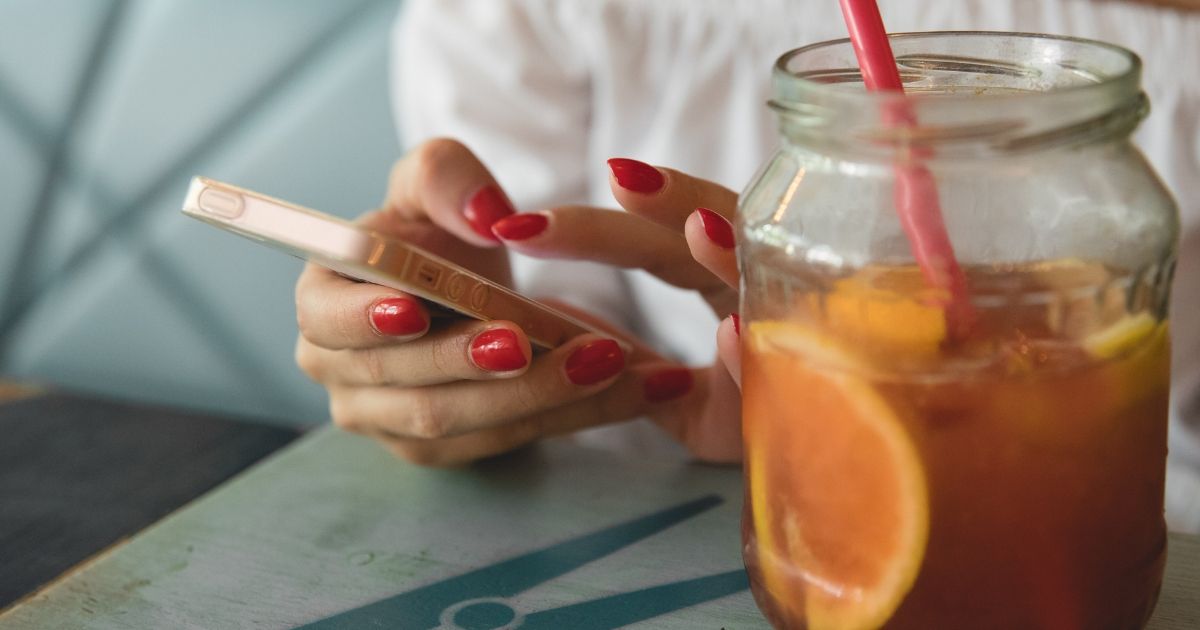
(915, 193)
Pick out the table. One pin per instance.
(333, 532)
(78, 474)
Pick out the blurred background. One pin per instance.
(107, 108)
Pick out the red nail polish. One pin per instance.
(398, 317)
(519, 227)
(737, 323)
(717, 227)
(636, 176)
(498, 350)
(667, 385)
(595, 362)
(486, 207)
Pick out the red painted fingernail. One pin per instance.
(667, 385)
(486, 207)
(737, 323)
(498, 350)
(595, 362)
(398, 317)
(717, 227)
(636, 176)
(519, 227)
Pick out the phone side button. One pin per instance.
(479, 297)
(220, 203)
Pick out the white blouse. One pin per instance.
(544, 91)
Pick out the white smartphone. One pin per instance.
(348, 249)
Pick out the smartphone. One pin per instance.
(348, 249)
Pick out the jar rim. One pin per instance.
(967, 93)
(1126, 79)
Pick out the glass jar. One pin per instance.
(908, 467)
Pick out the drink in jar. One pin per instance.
(900, 479)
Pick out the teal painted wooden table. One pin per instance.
(335, 533)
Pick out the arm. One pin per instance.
(446, 390)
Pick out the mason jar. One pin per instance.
(956, 358)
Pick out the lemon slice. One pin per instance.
(839, 494)
(1128, 333)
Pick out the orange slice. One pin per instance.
(837, 488)
(885, 318)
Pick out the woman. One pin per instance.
(537, 95)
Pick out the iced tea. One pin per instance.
(900, 479)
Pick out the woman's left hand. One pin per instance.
(678, 228)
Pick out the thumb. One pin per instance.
(442, 181)
(729, 347)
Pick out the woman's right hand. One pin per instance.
(445, 390)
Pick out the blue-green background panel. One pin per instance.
(107, 108)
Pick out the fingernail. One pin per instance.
(397, 317)
(667, 385)
(486, 207)
(498, 350)
(636, 176)
(595, 362)
(737, 323)
(717, 227)
(519, 227)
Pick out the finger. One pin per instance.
(336, 312)
(464, 350)
(643, 387)
(636, 350)
(729, 347)
(444, 182)
(711, 243)
(709, 427)
(460, 449)
(611, 237)
(653, 387)
(575, 370)
(717, 436)
(666, 196)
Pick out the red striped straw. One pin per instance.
(915, 194)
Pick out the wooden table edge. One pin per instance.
(70, 572)
(11, 392)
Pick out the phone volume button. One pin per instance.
(223, 204)
(466, 291)
(480, 294)
(456, 287)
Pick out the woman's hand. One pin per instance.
(443, 390)
(678, 228)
